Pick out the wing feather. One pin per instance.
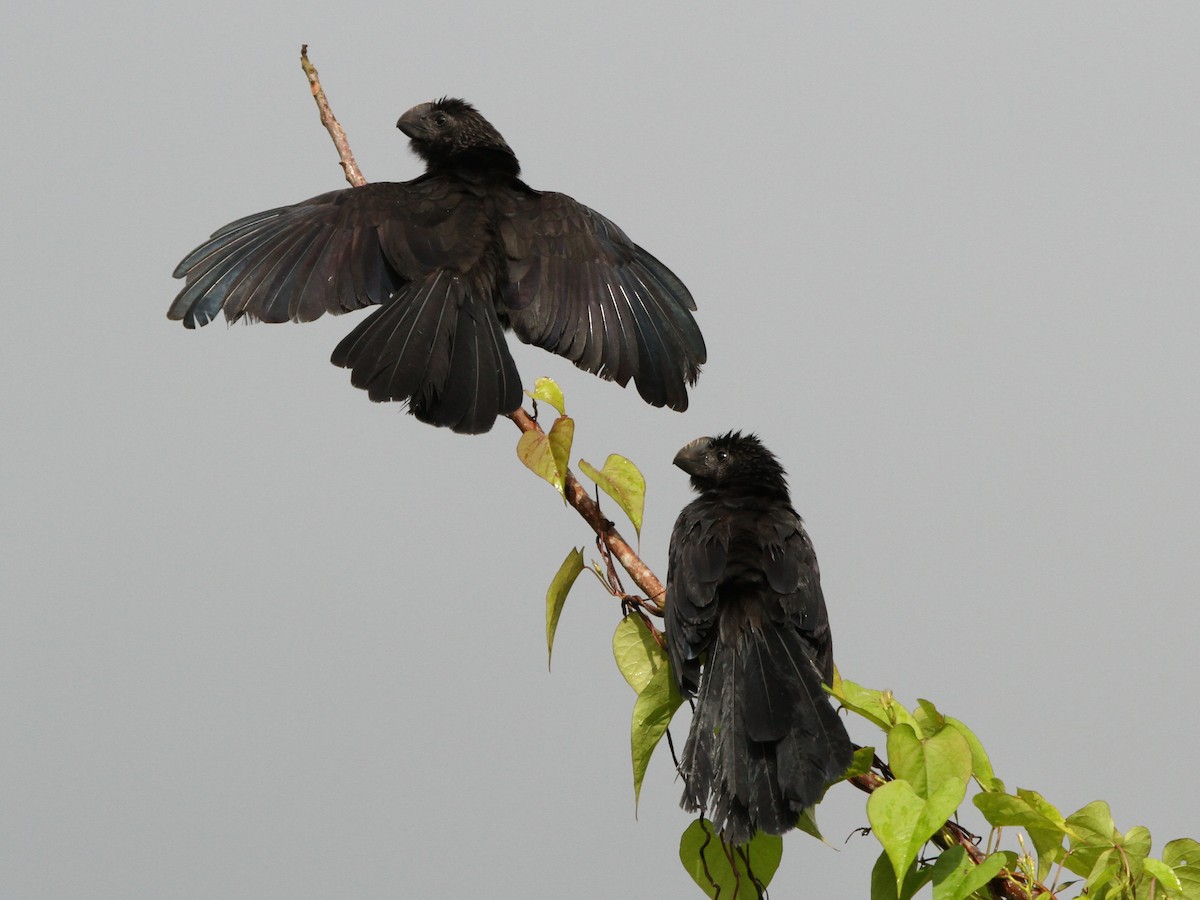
(579, 287)
(332, 253)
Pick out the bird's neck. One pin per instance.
(759, 490)
(486, 162)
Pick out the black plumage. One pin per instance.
(747, 633)
(455, 257)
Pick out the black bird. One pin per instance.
(456, 257)
(747, 630)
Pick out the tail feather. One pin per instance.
(483, 380)
(441, 349)
(765, 740)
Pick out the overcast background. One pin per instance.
(262, 638)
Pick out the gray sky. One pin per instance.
(263, 638)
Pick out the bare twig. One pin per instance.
(353, 174)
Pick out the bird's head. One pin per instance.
(451, 134)
(732, 460)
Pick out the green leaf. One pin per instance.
(906, 757)
(883, 880)
(1103, 871)
(879, 707)
(1137, 841)
(622, 481)
(546, 454)
(860, 763)
(1047, 834)
(1028, 810)
(931, 763)
(1183, 856)
(548, 391)
(983, 873)
(1092, 834)
(1136, 846)
(732, 872)
(562, 435)
(903, 821)
(1044, 808)
(1164, 875)
(1093, 824)
(637, 654)
(808, 824)
(651, 715)
(1005, 809)
(981, 766)
(929, 720)
(956, 877)
(556, 595)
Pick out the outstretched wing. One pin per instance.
(420, 248)
(579, 287)
(332, 253)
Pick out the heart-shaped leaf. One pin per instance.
(546, 454)
(622, 481)
(637, 654)
(956, 877)
(930, 763)
(548, 391)
(903, 821)
(740, 872)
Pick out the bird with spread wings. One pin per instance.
(454, 258)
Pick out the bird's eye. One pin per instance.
(439, 119)
(722, 456)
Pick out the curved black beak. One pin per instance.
(691, 457)
(412, 123)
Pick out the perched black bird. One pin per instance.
(747, 629)
(455, 256)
